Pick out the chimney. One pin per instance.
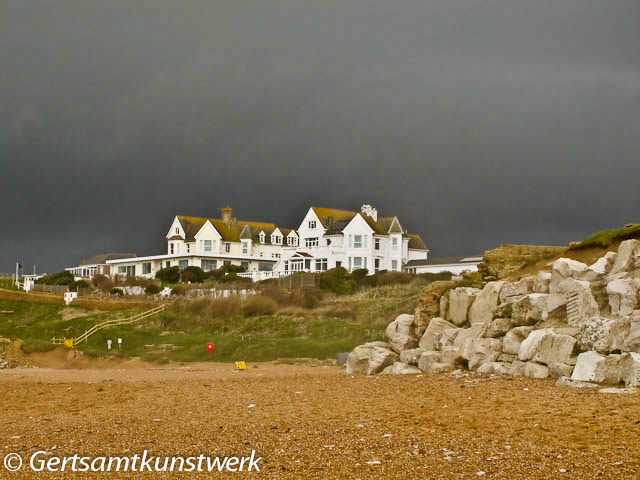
(226, 215)
(370, 212)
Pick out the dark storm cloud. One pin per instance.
(477, 123)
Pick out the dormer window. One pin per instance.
(312, 224)
(262, 237)
(177, 230)
(291, 241)
(276, 240)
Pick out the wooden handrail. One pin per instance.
(112, 323)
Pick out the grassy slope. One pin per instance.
(318, 333)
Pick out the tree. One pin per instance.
(193, 275)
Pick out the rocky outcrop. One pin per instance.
(579, 324)
(507, 259)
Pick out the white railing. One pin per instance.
(258, 276)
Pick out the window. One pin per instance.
(377, 243)
(276, 240)
(183, 264)
(286, 266)
(122, 270)
(262, 237)
(206, 245)
(376, 263)
(227, 247)
(338, 264)
(265, 267)
(292, 241)
(312, 224)
(146, 268)
(394, 243)
(311, 242)
(227, 262)
(357, 241)
(171, 248)
(307, 264)
(245, 248)
(128, 270)
(245, 265)
(208, 265)
(167, 264)
(177, 230)
(188, 247)
(321, 265)
(328, 242)
(394, 265)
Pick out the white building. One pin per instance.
(455, 265)
(326, 238)
(329, 238)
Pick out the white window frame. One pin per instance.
(311, 242)
(171, 248)
(245, 247)
(262, 237)
(357, 241)
(376, 242)
(312, 224)
(394, 265)
(146, 268)
(207, 245)
(227, 247)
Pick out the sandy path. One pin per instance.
(317, 422)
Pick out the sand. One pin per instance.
(318, 422)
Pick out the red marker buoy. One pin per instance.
(210, 346)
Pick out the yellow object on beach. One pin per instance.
(241, 366)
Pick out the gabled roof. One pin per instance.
(103, 257)
(230, 232)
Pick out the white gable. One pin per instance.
(208, 232)
(357, 225)
(310, 216)
(292, 233)
(176, 229)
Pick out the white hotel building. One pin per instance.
(326, 238)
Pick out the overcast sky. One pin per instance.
(475, 122)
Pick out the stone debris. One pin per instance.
(579, 324)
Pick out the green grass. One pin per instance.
(337, 325)
(605, 238)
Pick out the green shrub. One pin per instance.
(152, 289)
(116, 291)
(435, 277)
(337, 280)
(102, 282)
(61, 278)
(193, 274)
(168, 275)
(230, 277)
(74, 286)
(392, 278)
(306, 297)
(259, 305)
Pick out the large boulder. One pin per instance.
(460, 300)
(484, 350)
(546, 346)
(482, 308)
(498, 327)
(535, 370)
(564, 268)
(630, 369)
(514, 290)
(400, 368)
(581, 303)
(558, 370)
(513, 339)
(401, 333)
(538, 307)
(627, 258)
(593, 367)
(632, 342)
(427, 359)
(379, 358)
(430, 339)
(358, 359)
(604, 335)
(541, 282)
(411, 356)
(494, 368)
(465, 338)
(448, 337)
(429, 304)
(623, 296)
(604, 264)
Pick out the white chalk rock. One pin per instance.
(411, 356)
(379, 358)
(400, 333)
(538, 307)
(482, 308)
(593, 367)
(460, 300)
(358, 359)
(514, 338)
(627, 258)
(623, 296)
(484, 350)
(546, 346)
(604, 335)
(431, 338)
(400, 368)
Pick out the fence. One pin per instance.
(55, 289)
(110, 323)
(298, 280)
